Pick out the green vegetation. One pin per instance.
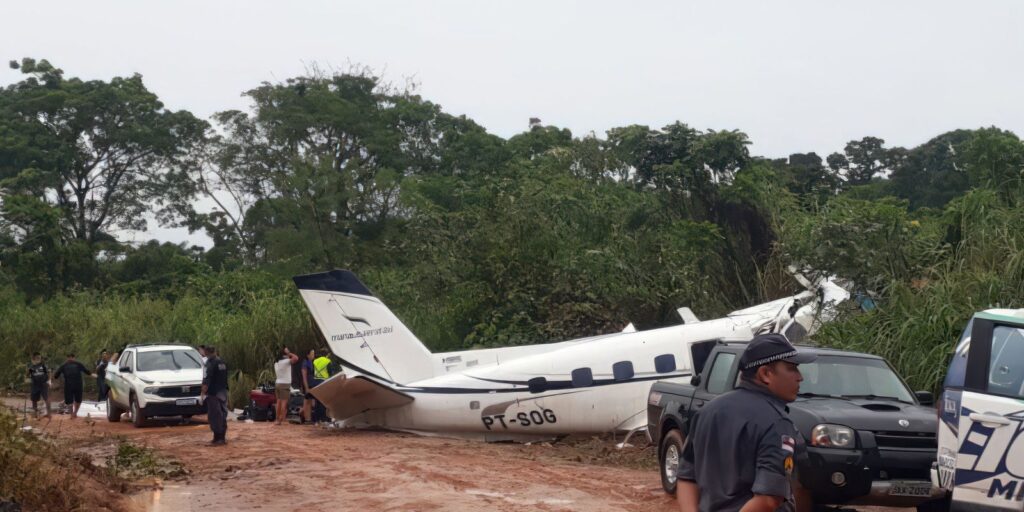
(133, 462)
(41, 474)
(472, 239)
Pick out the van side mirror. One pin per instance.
(925, 397)
(695, 380)
(125, 369)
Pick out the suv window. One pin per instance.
(169, 359)
(126, 360)
(1006, 369)
(718, 379)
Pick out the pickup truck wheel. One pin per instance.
(113, 411)
(669, 454)
(137, 418)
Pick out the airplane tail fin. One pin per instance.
(367, 337)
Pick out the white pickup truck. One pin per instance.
(981, 413)
(155, 380)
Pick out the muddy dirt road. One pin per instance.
(310, 469)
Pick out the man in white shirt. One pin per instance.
(283, 382)
(203, 358)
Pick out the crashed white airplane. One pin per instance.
(589, 385)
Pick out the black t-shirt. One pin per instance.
(39, 374)
(297, 374)
(72, 372)
(216, 379)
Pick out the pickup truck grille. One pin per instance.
(921, 440)
(179, 391)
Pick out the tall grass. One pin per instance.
(247, 326)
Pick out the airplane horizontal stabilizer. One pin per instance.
(346, 397)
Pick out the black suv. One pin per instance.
(869, 439)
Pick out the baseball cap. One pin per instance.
(768, 348)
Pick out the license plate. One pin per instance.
(915, 489)
(186, 401)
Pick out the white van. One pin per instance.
(155, 380)
(981, 413)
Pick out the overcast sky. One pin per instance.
(795, 76)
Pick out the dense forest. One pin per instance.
(472, 239)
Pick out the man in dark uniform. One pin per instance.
(739, 453)
(101, 376)
(215, 393)
(72, 372)
(39, 376)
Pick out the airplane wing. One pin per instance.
(346, 397)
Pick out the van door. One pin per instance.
(990, 458)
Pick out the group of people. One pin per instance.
(292, 371)
(302, 373)
(73, 373)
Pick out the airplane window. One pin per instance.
(665, 363)
(537, 384)
(582, 377)
(623, 370)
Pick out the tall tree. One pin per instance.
(865, 158)
(104, 153)
(318, 164)
(930, 175)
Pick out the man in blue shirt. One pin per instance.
(215, 394)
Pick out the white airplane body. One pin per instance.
(590, 385)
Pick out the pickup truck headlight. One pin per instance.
(150, 391)
(832, 436)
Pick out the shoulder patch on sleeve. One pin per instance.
(788, 443)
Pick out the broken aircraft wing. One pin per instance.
(346, 397)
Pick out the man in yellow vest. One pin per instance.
(321, 366)
(321, 372)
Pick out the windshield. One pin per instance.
(168, 360)
(852, 377)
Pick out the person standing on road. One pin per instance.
(740, 448)
(283, 384)
(72, 371)
(39, 379)
(321, 372)
(101, 376)
(215, 394)
(307, 382)
(299, 382)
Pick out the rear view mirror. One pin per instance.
(925, 397)
(125, 369)
(695, 380)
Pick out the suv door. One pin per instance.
(990, 458)
(719, 380)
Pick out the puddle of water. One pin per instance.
(172, 498)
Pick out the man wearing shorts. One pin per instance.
(39, 376)
(283, 383)
(72, 372)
